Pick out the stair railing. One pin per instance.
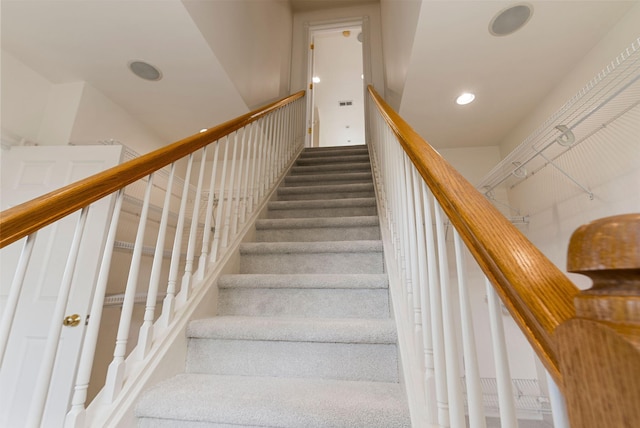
(420, 197)
(228, 174)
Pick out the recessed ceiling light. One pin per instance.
(465, 98)
(145, 71)
(316, 79)
(510, 20)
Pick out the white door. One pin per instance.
(28, 172)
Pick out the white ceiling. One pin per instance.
(453, 52)
(93, 41)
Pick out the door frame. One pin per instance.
(334, 25)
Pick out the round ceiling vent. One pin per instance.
(145, 71)
(510, 20)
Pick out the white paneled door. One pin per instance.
(28, 172)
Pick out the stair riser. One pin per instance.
(324, 212)
(291, 182)
(370, 262)
(324, 196)
(332, 160)
(330, 153)
(341, 361)
(318, 234)
(330, 169)
(310, 303)
(172, 423)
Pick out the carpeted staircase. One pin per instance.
(304, 336)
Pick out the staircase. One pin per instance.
(304, 336)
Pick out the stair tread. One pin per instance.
(339, 281)
(292, 329)
(277, 402)
(317, 222)
(368, 246)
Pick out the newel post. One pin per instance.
(599, 350)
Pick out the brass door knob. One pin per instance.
(71, 320)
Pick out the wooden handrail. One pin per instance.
(536, 293)
(24, 219)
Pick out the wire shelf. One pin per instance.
(612, 94)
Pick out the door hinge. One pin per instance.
(309, 130)
(311, 46)
(310, 85)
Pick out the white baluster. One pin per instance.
(227, 214)
(262, 165)
(255, 150)
(235, 219)
(76, 418)
(222, 199)
(168, 305)
(472, 373)
(435, 300)
(558, 404)
(206, 236)
(508, 417)
(41, 390)
(248, 176)
(14, 293)
(116, 370)
(185, 288)
(145, 337)
(423, 282)
(271, 150)
(413, 252)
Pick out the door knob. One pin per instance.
(71, 320)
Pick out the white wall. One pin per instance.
(608, 163)
(24, 99)
(252, 41)
(399, 22)
(58, 114)
(98, 118)
(618, 39)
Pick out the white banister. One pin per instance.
(246, 184)
(226, 230)
(423, 282)
(76, 418)
(558, 404)
(145, 336)
(456, 404)
(211, 199)
(235, 218)
(472, 372)
(41, 390)
(116, 371)
(185, 288)
(11, 305)
(508, 417)
(221, 201)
